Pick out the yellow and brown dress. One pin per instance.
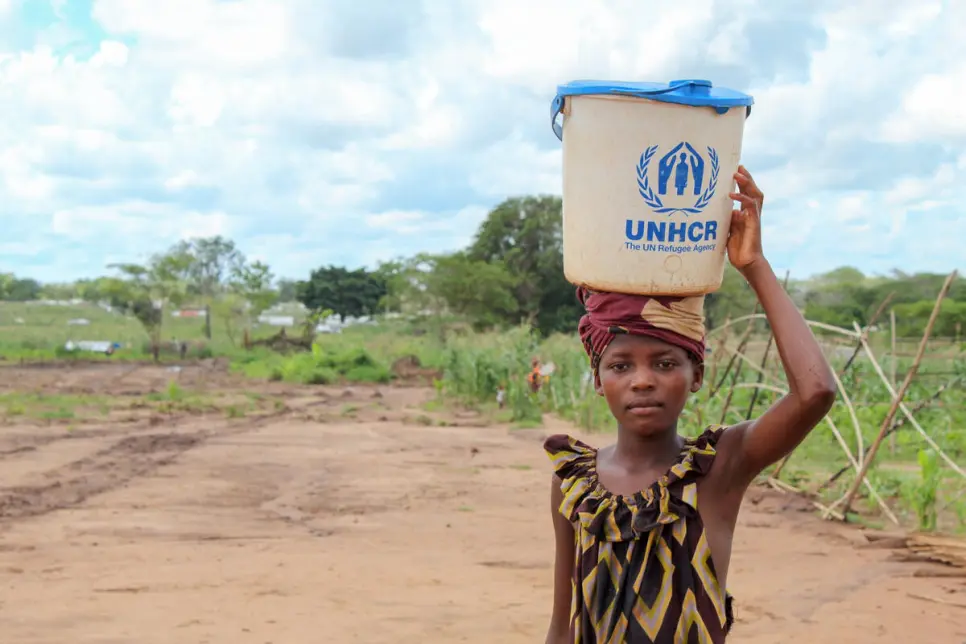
(642, 572)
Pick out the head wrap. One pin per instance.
(675, 320)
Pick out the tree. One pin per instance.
(250, 293)
(287, 290)
(481, 291)
(145, 291)
(15, 289)
(213, 261)
(525, 233)
(347, 293)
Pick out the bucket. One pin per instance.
(647, 169)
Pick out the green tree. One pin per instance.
(525, 233)
(250, 292)
(209, 261)
(15, 289)
(146, 291)
(478, 290)
(347, 293)
(287, 290)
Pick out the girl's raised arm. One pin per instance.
(811, 384)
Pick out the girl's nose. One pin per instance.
(643, 378)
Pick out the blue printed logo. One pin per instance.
(680, 172)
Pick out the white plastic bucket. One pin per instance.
(647, 169)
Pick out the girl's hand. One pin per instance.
(744, 240)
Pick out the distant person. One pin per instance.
(534, 378)
(501, 396)
(637, 522)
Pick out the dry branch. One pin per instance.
(855, 419)
(865, 331)
(764, 359)
(936, 600)
(912, 421)
(897, 400)
(743, 357)
(741, 347)
(897, 424)
(742, 343)
(782, 486)
(873, 493)
(761, 316)
(863, 335)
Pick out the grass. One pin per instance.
(32, 331)
(18, 407)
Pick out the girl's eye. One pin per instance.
(666, 364)
(620, 366)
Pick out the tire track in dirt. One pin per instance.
(107, 469)
(134, 454)
(131, 457)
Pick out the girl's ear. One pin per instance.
(698, 378)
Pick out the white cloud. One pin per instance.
(323, 132)
(141, 224)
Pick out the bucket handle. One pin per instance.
(556, 107)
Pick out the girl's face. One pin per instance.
(647, 382)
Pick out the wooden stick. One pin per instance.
(742, 343)
(764, 358)
(936, 600)
(731, 393)
(741, 346)
(897, 424)
(862, 335)
(756, 385)
(865, 331)
(897, 401)
(739, 353)
(865, 480)
(716, 358)
(818, 325)
(912, 421)
(853, 416)
(892, 327)
(782, 486)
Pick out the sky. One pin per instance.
(349, 132)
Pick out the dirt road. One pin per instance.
(357, 518)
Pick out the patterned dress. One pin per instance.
(642, 572)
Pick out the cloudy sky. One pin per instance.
(353, 131)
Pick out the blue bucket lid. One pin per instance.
(691, 92)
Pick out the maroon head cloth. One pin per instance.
(675, 320)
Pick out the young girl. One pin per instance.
(644, 527)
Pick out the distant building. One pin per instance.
(189, 313)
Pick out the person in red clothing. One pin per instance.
(535, 378)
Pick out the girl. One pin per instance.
(644, 527)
